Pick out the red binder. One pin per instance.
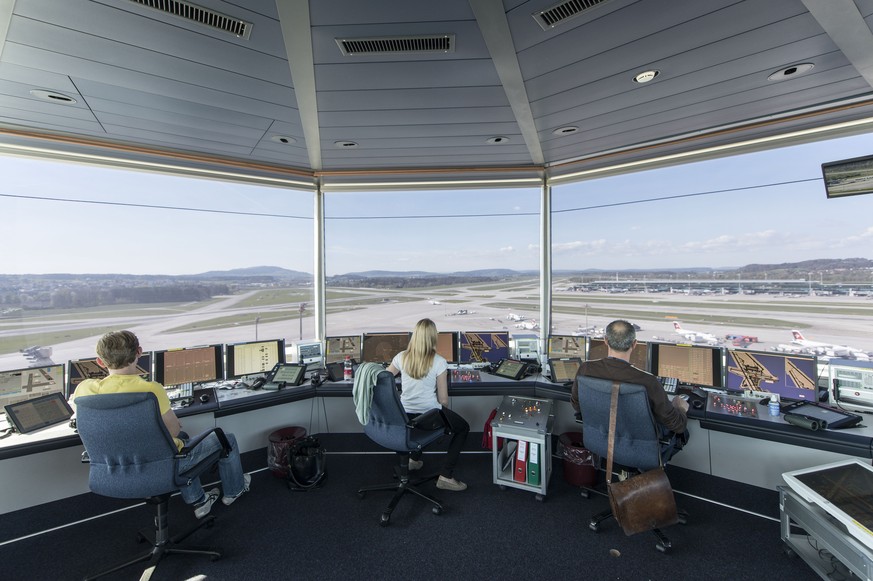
(520, 472)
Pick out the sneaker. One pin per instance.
(451, 484)
(415, 464)
(228, 500)
(203, 507)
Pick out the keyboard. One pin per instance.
(670, 384)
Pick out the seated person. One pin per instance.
(425, 387)
(118, 352)
(671, 417)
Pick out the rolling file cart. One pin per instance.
(525, 459)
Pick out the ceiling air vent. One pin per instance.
(442, 43)
(200, 15)
(564, 11)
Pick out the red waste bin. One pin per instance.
(580, 464)
(277, 451)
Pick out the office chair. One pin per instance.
(390, 427)
(637, 437)
(132, 455)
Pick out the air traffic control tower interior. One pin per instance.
(276, 185)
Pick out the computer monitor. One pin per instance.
(849, 177)
(564, 369)
(23, 384)
(597, 349)
(382, 347)
(78, 370)
(310, 353)
(793, 377)
(337, 348)
(484, 346)
(563, 346)
(254, 357)
(696, 365)
(447, 345)
(189, 365)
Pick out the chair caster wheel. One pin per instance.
(594, 526)
(664, 547)
(385, 519)
(437, 510)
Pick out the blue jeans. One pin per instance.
(229, 469)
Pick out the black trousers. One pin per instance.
(458, 428)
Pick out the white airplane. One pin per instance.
(695, 336)
(820, 348)
(514, 317)
(434, 302)
(530, 325)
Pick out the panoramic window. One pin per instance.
(179, 261)
(742, 252)
(469, 260)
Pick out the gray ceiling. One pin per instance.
(155, 86)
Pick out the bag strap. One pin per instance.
(610, 446)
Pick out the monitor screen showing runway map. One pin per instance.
(790, 376)
(22, 384)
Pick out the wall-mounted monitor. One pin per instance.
(695, 365)
(78, 370)
(597, 349)
(309, 352)
(189, 365)
(382, 347)
(484, 346)
(850, 177)
(337, 348)
(253, 357)
(447, 345)
(23, 384)
(563, 346)
(793, 377)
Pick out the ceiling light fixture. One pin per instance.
(791, 71)
(53, 96)
(283, 139)
(498, 140)
(646, 76)
(568, 130)
(345, 144)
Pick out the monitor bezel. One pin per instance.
(158, 367)
(495, 357)
(828, 167)
(329, 357)
(814, 393)
(456, 349)
(230, 357)
(717, 365)
(400, 335)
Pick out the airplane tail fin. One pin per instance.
(798, 335)
(677, 326)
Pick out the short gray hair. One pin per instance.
(620, 335)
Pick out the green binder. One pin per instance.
(533, 464)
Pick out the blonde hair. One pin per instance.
(118, 349)
(418, 357)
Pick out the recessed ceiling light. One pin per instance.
(52, 96)
(646, 76)
(345, 144)
(566, 130)
(499, 140)
(283, 139)
(791, 71)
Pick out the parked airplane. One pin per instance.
(514, 317)
(531, 325)
(830, 349)
(434, 302)
(695, 336)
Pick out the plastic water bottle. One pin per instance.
(347, 369)
(774, 405)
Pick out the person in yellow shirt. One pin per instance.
(118, 352)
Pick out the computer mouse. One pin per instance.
(204, 398)
(697, 404)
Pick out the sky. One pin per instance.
(123, 221)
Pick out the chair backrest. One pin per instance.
(132, 454)
(637, 442)
(388, 425)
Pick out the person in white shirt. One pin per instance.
(425, 387)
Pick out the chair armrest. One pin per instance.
(428, 420)
(192, 443)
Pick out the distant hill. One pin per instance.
(259, 271)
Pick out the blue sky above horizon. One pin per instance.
(227, 225)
